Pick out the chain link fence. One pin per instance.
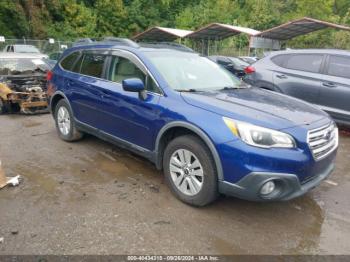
(45, 46)
(209, 48)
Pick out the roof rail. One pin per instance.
(83, 41)
(106, 40)
(122, 41)
(169, 45)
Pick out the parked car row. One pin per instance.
(320, 77)
(208, 131)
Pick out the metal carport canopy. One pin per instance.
(220, 31)
(298, 27)
(158, 33)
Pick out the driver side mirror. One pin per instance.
(135, 85)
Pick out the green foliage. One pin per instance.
(76, 21)
(71, 19)
(13, 21)
(110, 17)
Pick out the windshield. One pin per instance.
(26, 49)
(188, 71)
(22, 66)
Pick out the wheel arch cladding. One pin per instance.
(57, 96)
(178, 128)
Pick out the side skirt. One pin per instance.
(143, 152)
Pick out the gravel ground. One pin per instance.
(91, 197)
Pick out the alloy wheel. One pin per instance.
(63, 120)
(186, 172)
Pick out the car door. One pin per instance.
(129, 117)
(299, 75)
(83, 87)
(335, 91)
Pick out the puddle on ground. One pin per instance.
(224, 247)
(311, 226)
(106, 166)
(294, 227)
(44, 181)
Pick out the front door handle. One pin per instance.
(329, 84)
(281, 76)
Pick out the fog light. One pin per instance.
(267, 188)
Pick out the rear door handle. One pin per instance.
(281, 76)
(329, 84)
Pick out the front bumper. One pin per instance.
(288, 186)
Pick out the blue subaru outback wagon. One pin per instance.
(206, 130)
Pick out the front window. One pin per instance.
(188, 71)
(22, 66)
(122, 68)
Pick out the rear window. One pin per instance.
(304, 62)
(339, 66)
(279, 59)
(92, 65)
(69, 61)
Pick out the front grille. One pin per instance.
(323, 141)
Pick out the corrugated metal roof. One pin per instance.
(298, 27)
(158, 33)
(221, 31)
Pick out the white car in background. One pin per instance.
(28, 49)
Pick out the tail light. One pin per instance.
(49, 75)
(249, 70)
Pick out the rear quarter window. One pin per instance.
(279, 59)
(68, 62)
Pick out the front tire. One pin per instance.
(65, 124)
(190, 170)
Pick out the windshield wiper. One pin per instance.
(240, 86)
(230, 88)
(191, 90)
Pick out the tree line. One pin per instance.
(71, 19)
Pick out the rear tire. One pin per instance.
(65, 124)
(190, 171)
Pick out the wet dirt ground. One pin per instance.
(91, 197)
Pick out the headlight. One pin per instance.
(259, 136)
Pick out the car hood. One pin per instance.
(257, 106)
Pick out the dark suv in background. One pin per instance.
(233, 64)
(321, 77)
